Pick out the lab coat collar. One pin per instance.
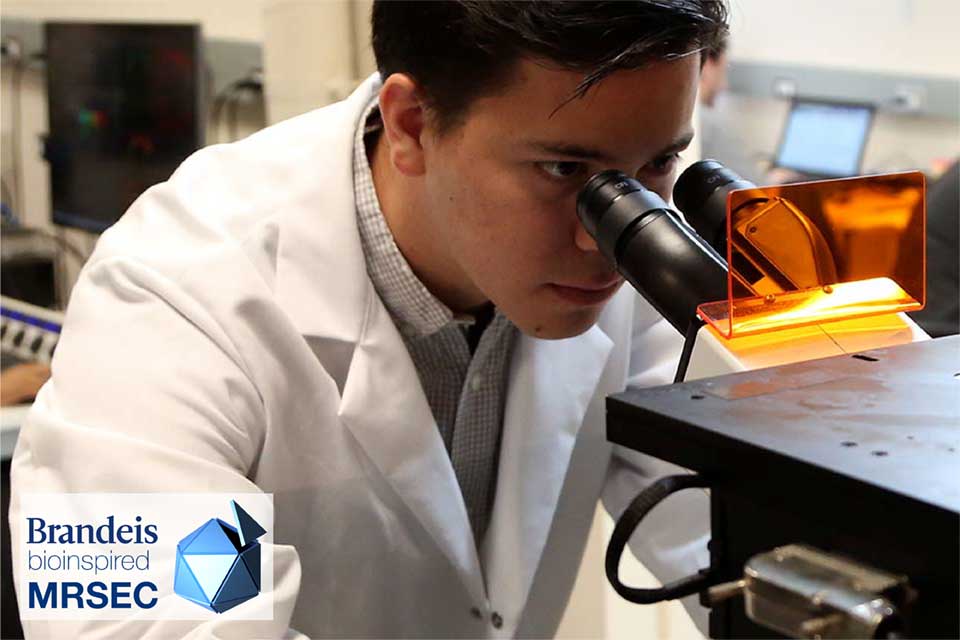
(319, 255)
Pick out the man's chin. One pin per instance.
(558, 327)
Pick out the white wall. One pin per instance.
(304, 71)
(896, 36)
(231, 19)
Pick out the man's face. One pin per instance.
(501, 188)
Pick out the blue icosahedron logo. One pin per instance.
(218, 565)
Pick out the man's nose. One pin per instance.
(584, 240)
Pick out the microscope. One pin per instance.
(822, 420)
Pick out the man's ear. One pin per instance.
(402, 111)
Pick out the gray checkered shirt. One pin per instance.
(466, 391)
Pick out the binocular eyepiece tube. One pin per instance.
(701, 194)
(664, 259)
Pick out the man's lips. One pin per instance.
(587, 293)
(594, 285)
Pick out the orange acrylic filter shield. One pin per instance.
(821, 251)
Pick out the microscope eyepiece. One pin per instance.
(661, 256)
(701, 194)
(610, 203)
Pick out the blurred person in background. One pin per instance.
(941, 315)
(20, 382)
(717, 139)
(713, 76)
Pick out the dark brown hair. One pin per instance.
(459, 50)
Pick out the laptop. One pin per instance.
(824, 138)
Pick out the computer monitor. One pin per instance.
(125, 108)
(824, 139)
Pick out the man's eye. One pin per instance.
(561, 170)
(663, 164)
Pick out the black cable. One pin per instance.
(218, 104)
(16, 79)
(627, 524)
(208, 96)
(225, 102)
(6, 197)
(63, 243)
(228, 98)
(19, 65)
(689, 340)
(232, 128)
(244, 86)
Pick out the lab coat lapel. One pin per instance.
(386, 410)
(551, 386)
(319, 255)
(323, 285)
(319, 260)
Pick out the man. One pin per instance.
(386, 314)
(20, 382)
(718, 140)
(941, 316)
(713, 76)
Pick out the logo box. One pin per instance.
(117, 556)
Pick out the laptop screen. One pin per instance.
(824, 138)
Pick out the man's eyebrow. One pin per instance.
(679, 144)
(578, 152)
(570, 151)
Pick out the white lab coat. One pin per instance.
(225, 337)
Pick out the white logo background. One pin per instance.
(175, 516)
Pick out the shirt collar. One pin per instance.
(416, 311)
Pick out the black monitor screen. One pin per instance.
(125, 109)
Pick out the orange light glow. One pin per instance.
(822, 251)
(841, 301)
